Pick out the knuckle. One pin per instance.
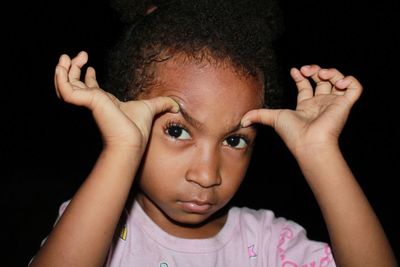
(258, 115)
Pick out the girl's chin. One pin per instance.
(198, 220)
(191, 220)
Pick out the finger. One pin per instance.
(303, 85)
(90, 78)
(162, 104)
(333, 76)
(322, 86)
(350, 87)
(311, 71)
(55, 81)
(69, 92)
(63, 87)
(65, 62)
(263, 116)
(77, 63)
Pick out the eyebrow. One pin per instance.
(192, 121)
(199, 125)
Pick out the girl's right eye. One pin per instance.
(177, 132)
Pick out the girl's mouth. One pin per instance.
(194, 206)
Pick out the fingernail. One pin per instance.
(245, 123)
(176, 107)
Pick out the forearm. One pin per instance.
(83, 234)
(356, 234)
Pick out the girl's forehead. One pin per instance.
(204, 79)
(211, 94)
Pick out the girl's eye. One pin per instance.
(235, 142)
(177, 132)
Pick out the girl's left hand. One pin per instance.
(320, 113)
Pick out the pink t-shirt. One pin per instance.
(248, 238)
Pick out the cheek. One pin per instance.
(235, 160)
(159, 180)
(233, 168)
(159, 164)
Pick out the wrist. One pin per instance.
(324, 168)
(317, 152)
(124, 144)
(125, 149)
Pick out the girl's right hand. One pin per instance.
(124, 125)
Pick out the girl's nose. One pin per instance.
(204, 168)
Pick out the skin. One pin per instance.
(210, 168)
(313, 128)
(135, 131)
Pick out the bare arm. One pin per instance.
(356, 234)
(83, 234)
(311, 133)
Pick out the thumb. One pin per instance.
(162, 104)
(263, 116)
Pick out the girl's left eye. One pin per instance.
(235, 142)
(177, 132)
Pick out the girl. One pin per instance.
(188, 82)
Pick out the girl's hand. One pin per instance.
(122, 124)
(320, 113)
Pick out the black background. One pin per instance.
(48, 147)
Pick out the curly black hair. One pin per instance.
(244, 32)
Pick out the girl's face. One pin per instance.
(196, 159)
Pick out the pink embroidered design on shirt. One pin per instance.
(251, 252)
(287, 235)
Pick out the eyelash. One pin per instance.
(174, 123)
(171, 124)
(241, 137)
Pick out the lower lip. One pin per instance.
(193, 207)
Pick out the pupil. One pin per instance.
(233, 141)
(175, 131)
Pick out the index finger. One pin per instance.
(162, 104)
